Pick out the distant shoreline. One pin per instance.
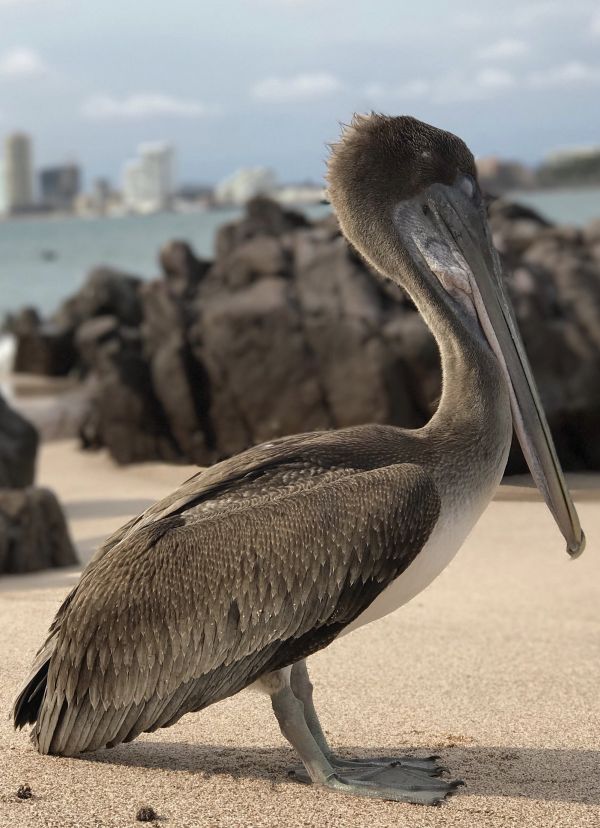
(227, 209)
(231, 210)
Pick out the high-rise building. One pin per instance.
(59, 186)
(18, 173)
(101, 194)
(148, 179)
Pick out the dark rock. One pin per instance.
(182, 269)
(33, 532)
(514, 227)
(416, 369)
(146, 814)
(263, 380)
(24, 792)
(18, 448)
(179, 381)
(48, 347)
(342, 317)
(556, 294)
(499, 209)
(591, 232)
(92, 337)
(127, 416)
(26, 320)
(263, 218)
(254, 259)
(329, 225)
(105, 292)
(42, 347)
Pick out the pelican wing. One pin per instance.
(191, 605)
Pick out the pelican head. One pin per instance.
(407, 197)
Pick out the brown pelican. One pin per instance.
(261, 560)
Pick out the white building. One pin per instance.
(245, 184)
(148, 179)
(18, 172)
(297, 194)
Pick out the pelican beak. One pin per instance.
(464, 259)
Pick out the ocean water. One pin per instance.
(42, 261)
(576, 207)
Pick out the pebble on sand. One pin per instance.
(146, 814)
(24, 792)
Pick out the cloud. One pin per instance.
(487, 83)
(538, 13)
(21, 63)
(595, 24)
(411, 90)
(529, 13)
(285, 4)
(494, 79)
(18, 4)
(469, 21)
(573, 73)
(303, 87)
(504, 49)
(452, 88)
(482, 85)
(140, 106)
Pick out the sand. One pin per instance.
(495, 667)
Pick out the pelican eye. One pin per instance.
(468, 186)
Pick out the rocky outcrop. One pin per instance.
(126, 415)
(264, 219)
(287, 331)
(553, 278)
(43, 347)
(33, 531)
(48, 347)
(105, 292)
(18, 449)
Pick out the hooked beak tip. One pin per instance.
(576, 552)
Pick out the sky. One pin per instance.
(267, 82)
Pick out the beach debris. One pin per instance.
(146, 814)
(24, 792)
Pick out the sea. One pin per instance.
(44, 260)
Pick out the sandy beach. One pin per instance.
(496, 667)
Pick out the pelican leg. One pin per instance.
(302, 688)
(397, 783)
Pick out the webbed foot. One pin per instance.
(395, 781)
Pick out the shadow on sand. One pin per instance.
(562, 775)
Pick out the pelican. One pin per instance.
(255, 563)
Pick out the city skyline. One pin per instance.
(147, 183)
(265, 82)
